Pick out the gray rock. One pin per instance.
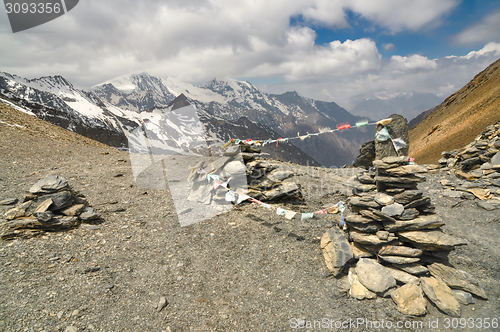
(383, 235)
(452, 194)
(357, 290)
(384, 199)
(9, 201)
(398, 128)
(413, 268)
(60, 200)
(410, 179)
(404, 170)
(495, 160)
(419, 223)
(49, 184)
(394, 209)
(408, 196)
(374, 276)
(399, 259)
(280, 175)
(418, 202)
(43, 216)
(457, 279)
(377, 215)
(19, 211)
(409, 214)
(410, 300)
(441, 295)
(485, 205)
(89, 214)
(357, 219)
(366, 228)
(363, 202)
(463, 297)
(403, 277)
(286, 188)
(162, 303)
(400, 251)
(366, 155)
(370, 239)
(336, 250)
(431, 240)
(395, 160)
(365, 178)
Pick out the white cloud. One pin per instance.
(414, 62)
(488, 29)
(198, 40)
(388, 47)
(394, 15)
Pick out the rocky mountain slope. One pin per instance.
(460, 118)
(247, 269)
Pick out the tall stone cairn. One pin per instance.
(396, 238)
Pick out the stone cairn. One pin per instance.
(50, 205)
(393, 237)
(479, 160)
(264, 180)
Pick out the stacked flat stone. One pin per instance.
(394, 238)
(263, 179)
(50, 205)
(479, 160)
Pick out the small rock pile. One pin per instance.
(396, 238)
(262, 178)
(50, 205)
(478, 160)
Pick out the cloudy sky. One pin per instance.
(333, 50)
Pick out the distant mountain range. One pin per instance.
(459, 118)
(409, 104)
(227, 108)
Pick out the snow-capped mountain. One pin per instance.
(286, 114)
(227, 108)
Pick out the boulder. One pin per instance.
(397, 128)
(374, 276)
(441, 295)
(410, 300)
(336, 250)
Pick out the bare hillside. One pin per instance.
(460, 118)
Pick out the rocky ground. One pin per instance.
(245, 270)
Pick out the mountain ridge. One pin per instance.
(460, 118)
